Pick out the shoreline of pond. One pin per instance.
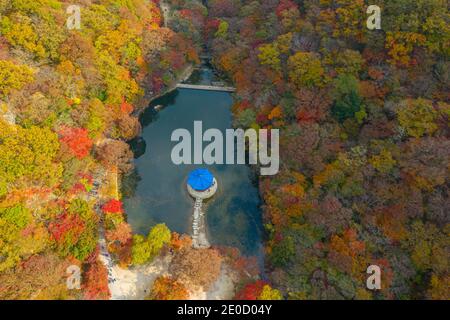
(184, 76)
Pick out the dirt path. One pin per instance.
(135, 283)
(165, 9)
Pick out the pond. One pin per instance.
(156, 191)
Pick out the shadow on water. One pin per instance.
(129, 184)
(156, 191)
(138, 146)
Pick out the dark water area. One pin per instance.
(156, 191)
(205, 74)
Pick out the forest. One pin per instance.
(67, 102)
(364, 139)
(364, 142)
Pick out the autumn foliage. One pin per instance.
(95, 280)
(363, 120)
(251, 291)
(165, 288)
(258, 290)
(63, 91)
(189, 267)
(66, 227)
(77, 140)
(113, 206)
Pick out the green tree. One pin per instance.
(246, 118)
(140, 252)
(222, 30)
(147, 248)
(13, 244)
(282, 252)
(158, 236)
(347, 99)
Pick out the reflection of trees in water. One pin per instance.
(138, 146)
(204, 74)
(234, 222)
(158, 201)
(129, 183)
(142, 225)
(150, 114)
(195, 77)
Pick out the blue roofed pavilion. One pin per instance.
(200, 179)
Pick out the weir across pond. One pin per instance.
(205, 87)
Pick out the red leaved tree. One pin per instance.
(251, 291)
(95, 282)
(66, 226)
(126, 107)
(113, 206)
(77, 140)
(285, 5)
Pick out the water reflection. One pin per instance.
(129, 184)
(139, 146)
